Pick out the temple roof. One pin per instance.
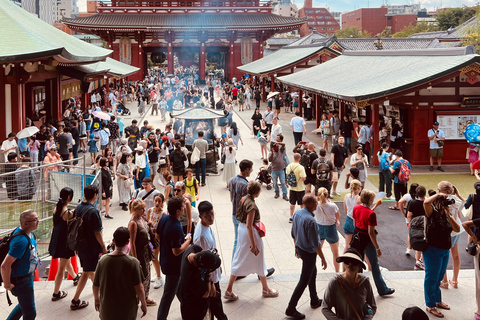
(364, 75)
(25, 37)
(110, 67)
(469, 26)
(178, 21)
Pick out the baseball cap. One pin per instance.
(224, 135)
(436, 123)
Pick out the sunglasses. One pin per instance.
(177, 190)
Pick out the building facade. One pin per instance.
(319, 19)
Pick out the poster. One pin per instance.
(454, 125)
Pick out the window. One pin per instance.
(324, 28)
(332, 28)
(320, 22)
(311, 22)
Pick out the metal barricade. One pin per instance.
(37, 186)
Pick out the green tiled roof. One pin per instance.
(358, 76)
(108, 67)
(23, 37)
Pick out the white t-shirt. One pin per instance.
(230, 157)
(205, 238)
(7, 145)
(149, 203)
(276, 130)
(330, 210)
(350, 202)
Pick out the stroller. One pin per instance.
(264, 176)
(122, 109)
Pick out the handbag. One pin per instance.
(260, 228)
(440, 143)
(468, 213)
(127, 183)
(223, 159)
(326, 131)
(195, 157)
(471, 248)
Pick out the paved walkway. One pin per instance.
(279, 253)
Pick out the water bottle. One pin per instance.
(367, 309)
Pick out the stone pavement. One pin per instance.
(279, 253)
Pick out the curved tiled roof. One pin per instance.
(169, 21)
(458, 32)
(25, 37)
(362, 44)
(310, 38)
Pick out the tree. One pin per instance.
(453, 17)
(421, 27)
(352, 32)
(386, 33)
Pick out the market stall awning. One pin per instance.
(198, 113)
(364, 75)
(25, 37)
(280, 59)
(109, 67)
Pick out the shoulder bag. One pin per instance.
(348, 297)
(334, 221)
(259, 226)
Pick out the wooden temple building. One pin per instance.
(42, 67)
(226, 34)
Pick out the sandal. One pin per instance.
(444, 284)
(78, 304)
(453, 283)
(435, 312)
(270, 293)
(77, 278)
(393, 208)
(150, 303)
(443, 305)
(230, 296)
(59, 295)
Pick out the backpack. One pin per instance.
(5, 246)
(291, 178)
(194, 185)
(417, 233)
(305, 161)
(323, 171)
(172, 186)
(75, 234)
(404, 173)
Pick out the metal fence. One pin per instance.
(37, 186)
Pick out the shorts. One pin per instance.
(65, 157)
(296, 197)
(88, 260)
(108, 195)
(399, 189)
(153, 167)
(456, 239)
(348, 227)
(234, 98)
(339, 170)
(179, 173)
(436, 153)
(311, 179)
(103, 147)
(328, 233)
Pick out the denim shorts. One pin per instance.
(456, 239)
(348, 227)
(328, 233)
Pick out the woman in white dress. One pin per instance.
(123, 173)
(360, 161)
(249, 256)
(229, 166)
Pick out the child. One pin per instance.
(92, 147)
(192, 186)
(50, 143)
(154, 215)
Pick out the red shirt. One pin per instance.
(234, 91)
(364, 217)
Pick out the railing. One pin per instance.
(176, 4)
(40, 193)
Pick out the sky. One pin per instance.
(349, 5)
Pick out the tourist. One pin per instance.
(440, 225)
(104, 136)
(360, 161)
(363, 134)
(201, 165)
(250, 255)
(177, 160)
(346, 129)
(140, 243)
(205, 238)
(52, 157)
(365, 238)
(349, 202)
(229, 162)
(278, 169)
(396, 138)
(107, 186)
(327, 216)
(154, 215)
(269, 116)
(415, 209)
(186, 217)
(92, 147)
(472, 152)
(437, 140)
(339, 158)
(307, 106)
(123, 182)
(58, 248)
(10, 180)
(402, 205)
(192, 186)
(25, 179)
(18, 268)
(349, 293)
(117, 286)
(173, 243)
(399, 187)
(152, 151)
(299, 126)
(335, 127)
(133, 134)
(234, 133)
(164, 161)
(140, 164)
(325, 130)
(473, 237)
(256, 121)
(298, 191)
(307, 247)
(414, 313)
(148, 193)
(91, 243)
(275, 131)
(34, 148)
(263, 138)
(114, 129)
(384, 174)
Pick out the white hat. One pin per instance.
(352, 253)
(139, 148)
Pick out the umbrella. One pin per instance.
(272, 94)
(101, 115)
(170, 75)
(211, 74)
(27, 132)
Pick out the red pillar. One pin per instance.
(140, 59)
(375, 142)
(107, 92)
(3, 118)
(264, 96)
(57, 98)
(201, 63)
(232, 60)
(341, 106)
(300, 102)
(318, 114)
(171, 59)
(17, 102)
(273, 83)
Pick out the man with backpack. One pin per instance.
(148, 193)
(88, 241)
(19, 265)
(295, 178)
(401, 171)
(308, 156)
(322, 169)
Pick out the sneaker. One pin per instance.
(419, 265)
(276, 196)
(408, 252)
(158, 283)
(335, 193)
(440, 169)
(431, 168)
(285, 198)
(108, 217)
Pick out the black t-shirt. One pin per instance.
(340, 154)
(75, 135)
(439, 230)
(42, 136)
(171, 236)
(347, 129)
(63, 142)
(416, 207)
(91, 224)
(312, 155)
(152, 154)
(192, 288)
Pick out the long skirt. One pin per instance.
(244, 261)
(124, 193)
(229, 171)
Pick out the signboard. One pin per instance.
(454, 125)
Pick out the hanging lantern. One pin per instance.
(214, 57)
(158, 57)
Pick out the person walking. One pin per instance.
(141, 165)
(263, 139)
(339, 158)
(298, 191)
(201, 165)
(153, 217)
(58, 248)
(117, 285)
(19, 266)
(107, 186)
(278, 169)
(346, 129)
(384, 174)
(234, 133)
(437, 140)
(269, 115)
(299, 126)
(123, 175)
(322, 168)
(307, 247)
(399, 187)
(359, 160)
(256, 121)
(229, 163)
(250, 255)
(177, 160)
(325, 130)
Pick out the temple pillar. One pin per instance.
(3, 116)
(141, 62)
(170, 59)
(300, 102)
(85, 96)
(201, 63)
(318, 112)
(232, 60)
(375, 143)
(107, 92)
(272, 78)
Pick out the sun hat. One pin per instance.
(139, 148)
(352, 254)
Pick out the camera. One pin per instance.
(446, 202)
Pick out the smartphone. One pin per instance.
(303, 142)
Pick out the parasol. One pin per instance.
(170, 75)
(272, 94)
(101, 115)
(27, 132)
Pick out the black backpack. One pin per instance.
(323, 171)
(305, 161)
(417, 233)
(76, 239)
(5, 247)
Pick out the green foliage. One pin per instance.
(387, 33)
(352, 32)
(453, 17)
(421, 27)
